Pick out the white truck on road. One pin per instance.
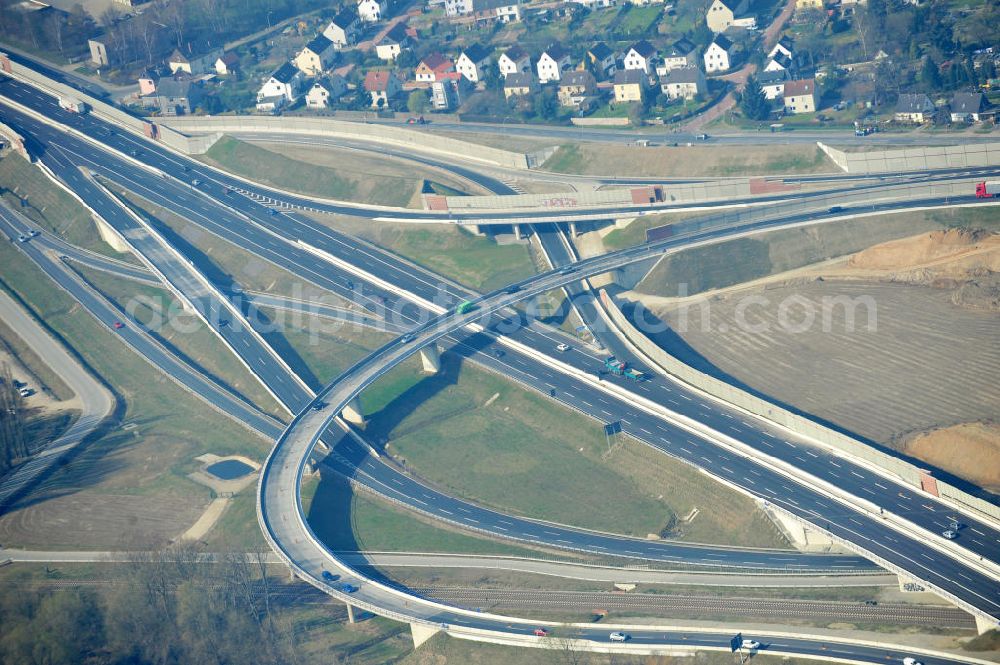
(73, 104)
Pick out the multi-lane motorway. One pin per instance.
(257, 225)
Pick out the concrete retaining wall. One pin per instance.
(623, 196)
(16, 141)
(400, 136)
(110, 113)
(912, 159)
(804, 426)
(599, 122)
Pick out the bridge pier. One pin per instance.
(517, 232)
(431, 359)
(352, 413)
(350, 613)
(572, 230)
(422, 633)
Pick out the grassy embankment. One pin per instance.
(321, 172)
(51, 207)
(687, 161)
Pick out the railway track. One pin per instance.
(674, 605)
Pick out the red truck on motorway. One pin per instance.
(987, 190)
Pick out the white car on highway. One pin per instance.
(618, 637)
(562, 347)
(911, 661)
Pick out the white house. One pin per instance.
(284, 82)
(316, 57)
(640, 56)
(551, 63)
(683, 53)
(194, 62)
(784, 45)
(392, 43)
(323, 93)
(780, 61)
(723, 14)
(718, 55)
(773, 83)
(514, 60)
(227, 64)
(371, 11)
(472, 62)
(344, 28)
(683, 83)
(602, 59)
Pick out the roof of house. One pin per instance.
(800, 87)
(173, 87)
(629, 76)
(914, 103)
(435, 61)
(319, 85)
(683, 75)
(516, 53)
(230, 59)
(319, 44)
(395, 35)
(682, 47)
(519, 80)
(377, 81)
(285, 73)
(150, 74)
(644, 49)
(192, 50)
(722, 42)
(786, 42)
(771, 77)
(782, 59)
(346, 17)
(600, 51)
(556, 52)
(476, 53)
(576, 78)
(732, 5)
(967, 102)
(361, 2)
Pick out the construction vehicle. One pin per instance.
(615, 366)
(73, 104)
(987, 190)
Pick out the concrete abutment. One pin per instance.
(422, 633)
(430, 357)
(352, 413)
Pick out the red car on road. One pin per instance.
(119, 325)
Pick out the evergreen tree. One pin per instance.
(930, 77)
(753, 102)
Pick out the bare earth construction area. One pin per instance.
(920, 354)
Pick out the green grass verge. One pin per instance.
(349, 521)
(172, 427)
(508, 455)
(271, 168)
(566, 159)
(185, 333)
(51, 207)
(635, 233)
(475, 261)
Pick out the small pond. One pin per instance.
(229, 469)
